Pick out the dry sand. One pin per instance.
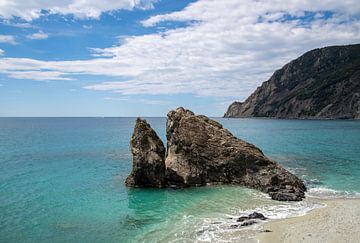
(338, 222)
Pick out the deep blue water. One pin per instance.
(61, 179)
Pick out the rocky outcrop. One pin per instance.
(148, 157)
(200, 152)
(322, 83)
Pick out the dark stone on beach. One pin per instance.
(242, 219)
(200, 152)
(266, 231)
(148, 157)
(248, 223)
(254, 215)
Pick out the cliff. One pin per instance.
(321, 84)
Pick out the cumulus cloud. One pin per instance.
(38, 36)
(2, 52)
(251, 10)
(227, 49)
(30, 10)
(8, 39)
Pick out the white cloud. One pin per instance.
(38, 75)
(2, 52)
(144, 101)
(38, 36)
(8, 22)
(250, 10)
(117, 98)
(229, 48)
(22, 25)
(8, 39)
(30, 10)
(99, 52)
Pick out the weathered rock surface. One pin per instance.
(251, 219)
(200, 152)
(148, 157)
(322, 83)
(254, 215)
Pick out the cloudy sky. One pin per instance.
(145, 57)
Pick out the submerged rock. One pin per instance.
(148, 157)
(200, 152)
(248, 223)
(251, 219)
(254, 215)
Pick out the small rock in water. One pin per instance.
(216, 223)
(254, 215)
(247, 223)
(242, 219)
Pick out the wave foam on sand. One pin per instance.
(338, 222)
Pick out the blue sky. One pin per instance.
(145, 57)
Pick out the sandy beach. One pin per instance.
(338, 222)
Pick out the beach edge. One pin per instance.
(338, 221)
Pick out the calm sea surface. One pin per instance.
(61, 180)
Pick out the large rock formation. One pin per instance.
(200, 151)
(322, 83)
(148, 157)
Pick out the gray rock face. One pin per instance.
(200, 152)
(148, 157)
(322, 83)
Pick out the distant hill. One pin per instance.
(322, 83)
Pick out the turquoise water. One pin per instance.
(61, 180)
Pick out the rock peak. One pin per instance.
(180, 111)
(148, 157)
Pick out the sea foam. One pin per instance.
(328, 193)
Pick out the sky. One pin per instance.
(146, 57)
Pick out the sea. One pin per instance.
(62, 180)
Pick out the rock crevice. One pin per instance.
(200, 152)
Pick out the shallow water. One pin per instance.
(62, 180)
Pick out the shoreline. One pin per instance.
(338, 221)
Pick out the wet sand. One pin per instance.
(338, 222)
